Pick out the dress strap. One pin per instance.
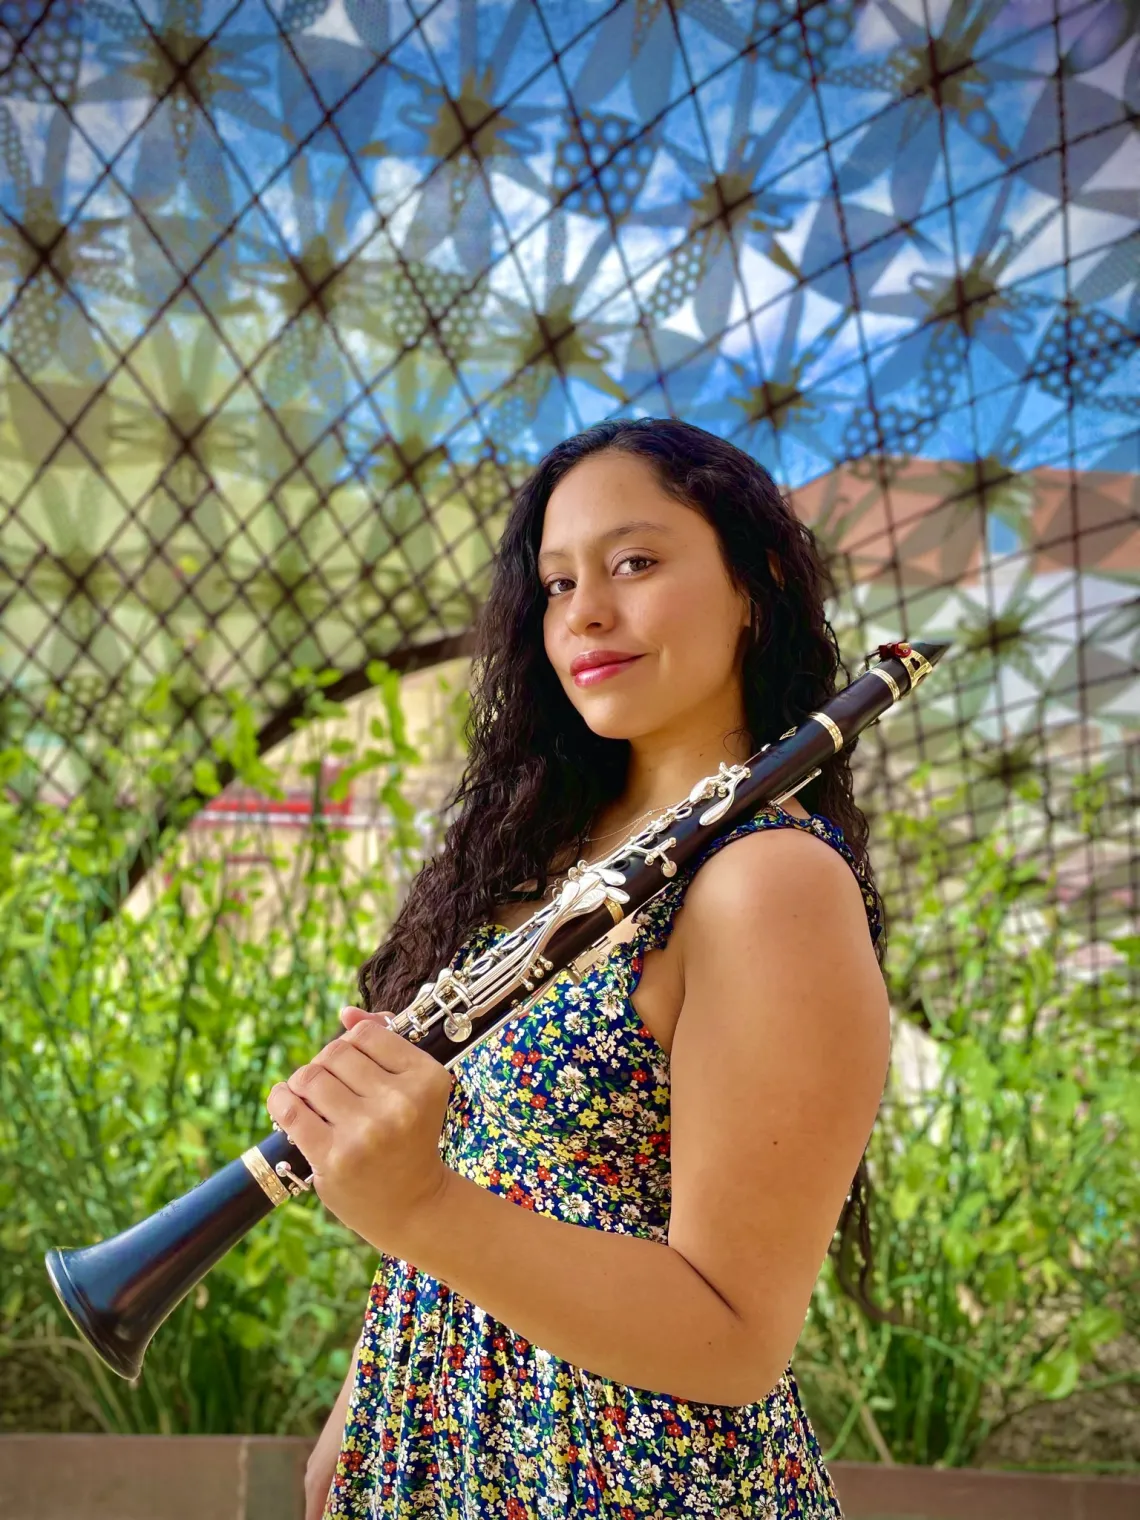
(657, 918)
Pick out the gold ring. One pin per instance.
(885, 675)
(836, 736)
(264, 1175)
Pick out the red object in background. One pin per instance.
(296, 807)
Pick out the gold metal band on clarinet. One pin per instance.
(264, 1175)
(617, 913)
(885, 675)
(833, 730)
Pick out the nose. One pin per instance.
(589, 608)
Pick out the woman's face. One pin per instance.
(629, 572)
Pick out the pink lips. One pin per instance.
(590, 674)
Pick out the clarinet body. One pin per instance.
(119, 1291)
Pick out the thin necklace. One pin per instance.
(560, 876)
(592, 838)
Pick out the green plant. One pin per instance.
(1007, 1182)
(138, 1046)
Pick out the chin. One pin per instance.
(615, 730)
(614, 721)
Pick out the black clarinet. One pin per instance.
(118, 1292)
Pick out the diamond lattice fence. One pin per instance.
(292, 294)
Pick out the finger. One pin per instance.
(350, 1017)
(354, 1068)
(384, 1046)
(323, 1091)
(302, 1125)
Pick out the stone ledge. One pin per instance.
(45, 1477)
(90, 1477)
(869, 1491)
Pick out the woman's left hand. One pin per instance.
(367, 1113)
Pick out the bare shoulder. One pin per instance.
(784, 871)
(778, 916)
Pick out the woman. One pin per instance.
(601, 1233)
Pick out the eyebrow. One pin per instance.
(639, 525)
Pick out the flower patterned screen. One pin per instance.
(294, 292)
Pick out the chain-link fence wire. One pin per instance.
(293, 294)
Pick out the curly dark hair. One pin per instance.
(536, 775)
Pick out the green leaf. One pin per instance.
(1056, 1376)
(920, 1166)
(1095, 1326)
(904, 1203)
(960, 1248)
(145, 1061)
(293, 1255)
(1000, 1283)
(1061, 1100)
(248, 1331)
(205, 777)
(1121, 1095)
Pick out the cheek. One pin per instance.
(659, 613)
(691, 626)
(550, 635)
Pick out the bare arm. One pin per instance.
(777, 1069)
(321, 1465)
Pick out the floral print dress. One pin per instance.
(453, 1416)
